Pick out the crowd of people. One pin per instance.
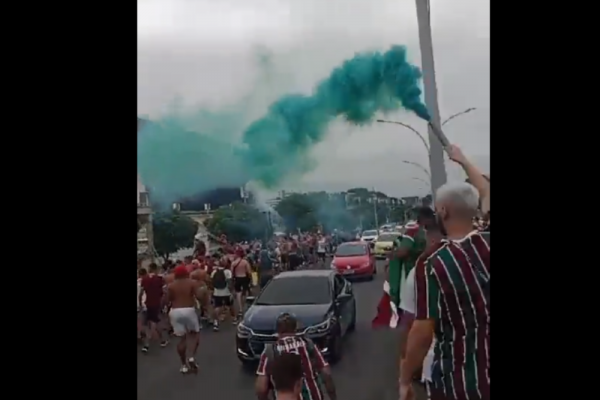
(437, 291)
(438, 287)
(180, 297)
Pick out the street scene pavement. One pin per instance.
(368, 369)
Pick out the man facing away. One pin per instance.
(152, 290)
(242, 279)
(287, 376)
(313, 363)
(265, 267)
(182, 293)
(453, 305)
(222, 288)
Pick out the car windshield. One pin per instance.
(387, 238)
(369, 233)
(296, 291)
(351, 250)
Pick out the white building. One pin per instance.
(144, 215)
(142, 194)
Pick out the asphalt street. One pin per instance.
(367, 371)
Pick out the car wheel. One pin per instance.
(372, 276)
(336, 349)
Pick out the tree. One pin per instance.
(399, 213)
(172, 232)
(238, 222)
(298, 212)
(317, 210)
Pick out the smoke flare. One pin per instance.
(175, 162)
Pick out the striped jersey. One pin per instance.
(452, 288)
(312, 363)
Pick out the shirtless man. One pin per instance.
(242, 279)
(169, 278)
(200, 276)
(182, 294)
(284, 258)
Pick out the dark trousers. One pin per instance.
(264, 278)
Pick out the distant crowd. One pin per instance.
(437, 292)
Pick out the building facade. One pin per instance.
(145, 237)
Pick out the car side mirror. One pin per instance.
(250, 300)
(348, 288)
(344, 295)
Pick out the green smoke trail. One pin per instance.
(175, 162)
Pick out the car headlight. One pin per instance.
(319, 328)
(243, 331)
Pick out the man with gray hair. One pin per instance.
(453, 304)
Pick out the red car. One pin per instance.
(354, 259)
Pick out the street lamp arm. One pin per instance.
(450, 118)
(416, 178)
(416, 132)
(422, 168)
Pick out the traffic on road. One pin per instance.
(288, 314)
(222, 374)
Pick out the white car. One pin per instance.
(386, 228)
(369, 236)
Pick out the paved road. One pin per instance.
(368, 370)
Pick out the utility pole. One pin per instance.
(436, 153)
(375, 209)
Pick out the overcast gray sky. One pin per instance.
(208, 53)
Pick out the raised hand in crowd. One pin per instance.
(475, 176)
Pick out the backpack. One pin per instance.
(219, 279)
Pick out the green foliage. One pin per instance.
(343, 211)
(238, 222)
(172, 232)
(399, 214)
(298, 211)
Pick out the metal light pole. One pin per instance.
(436, 153)
(458, 114)
(267, 215)
(375, 210)
(421, 167)
(407, 126)
(416, 178)
(416, 132)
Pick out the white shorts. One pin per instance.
(184, 320)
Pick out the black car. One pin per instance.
(321, 300)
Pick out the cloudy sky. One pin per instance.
(212, 54)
